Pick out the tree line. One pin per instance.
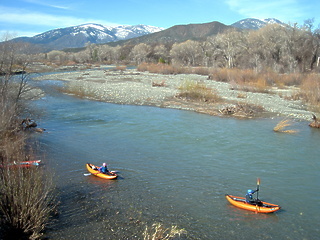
(282, 49)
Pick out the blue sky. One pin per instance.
(31, 17)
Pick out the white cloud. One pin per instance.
(23, 17)
(13, 34)
(284, 10)
(48, 4)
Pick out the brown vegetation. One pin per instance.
(310, 89)
(280, 127)
(195, 91)
(25, 194)
(249, 80)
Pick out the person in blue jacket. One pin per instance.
(104, 168)
(250, 199)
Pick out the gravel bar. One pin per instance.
(133, 87)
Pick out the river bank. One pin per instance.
(144, 88)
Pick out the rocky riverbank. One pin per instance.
(143, 88)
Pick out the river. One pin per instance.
(175, 168)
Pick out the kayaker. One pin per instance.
(250, 199)
(104, 168)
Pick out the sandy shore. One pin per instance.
(132, 87)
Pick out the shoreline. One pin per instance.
(143, 88)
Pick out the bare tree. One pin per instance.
(229, 46)
(108, 53)
(187, 53)
(161, 52)
(57, 56)
(140, 53)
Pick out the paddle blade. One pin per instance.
(258, 181)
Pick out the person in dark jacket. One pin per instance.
(104, 168)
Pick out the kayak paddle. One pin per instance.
(258, 184)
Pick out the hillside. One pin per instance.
(79, 36)
(179, 33)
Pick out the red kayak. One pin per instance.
(29, 163)
(24, 164)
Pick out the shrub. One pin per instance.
(26, 202)
(192, 90)
(26, 197)
(310, 89)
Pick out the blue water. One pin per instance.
(175, 168)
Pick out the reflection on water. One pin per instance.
(175, 168)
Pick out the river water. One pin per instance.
(175, 168)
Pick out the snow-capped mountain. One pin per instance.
(78, 36)
(254, 24)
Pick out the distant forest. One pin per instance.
(290, 49)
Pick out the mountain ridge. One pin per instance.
(79, 36)
(255, 24)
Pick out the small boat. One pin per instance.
(94, 171)
(29, 163)
(263, 207)
(23, 164)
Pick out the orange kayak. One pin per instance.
(240, 202)
(94, 171)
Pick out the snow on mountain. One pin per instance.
(78, 36)
(253, 23)
(126, 32)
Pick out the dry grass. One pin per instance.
(191, 90)
(160, 68)
(158, 232)
(241, 79)
(249, 80)
(310, 89)
(280, 127)
(163, 68)
(82, 90)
